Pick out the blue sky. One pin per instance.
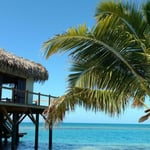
(25, 25)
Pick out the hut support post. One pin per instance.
(1, 121)
(17, 128)
(50, 135)
(14, 132)
(36, 131)
(1, 115)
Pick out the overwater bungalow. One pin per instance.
(17, 97)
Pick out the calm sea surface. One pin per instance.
(70, 136)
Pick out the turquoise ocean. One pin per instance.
(84, 136)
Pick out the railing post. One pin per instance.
(26, 97)
(13, 96)
(38, 102)
(49, 101)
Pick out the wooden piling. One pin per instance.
(1, 122)
(14, 132)
(50, 135)
(36, 131)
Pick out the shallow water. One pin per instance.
(70, 136)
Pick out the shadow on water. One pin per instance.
(6, 146)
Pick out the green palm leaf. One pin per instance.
(127, 13)
(96, 100)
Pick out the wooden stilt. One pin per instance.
(50, 135)
(14, 133)
(1, 121)
(36, 131)
(17, 131)
(1, 115)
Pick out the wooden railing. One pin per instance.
(12, 95)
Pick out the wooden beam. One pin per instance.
(7, 115)
(21, 117)
(31, 116)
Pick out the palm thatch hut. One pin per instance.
(20, 73)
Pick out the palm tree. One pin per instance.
(110, 62)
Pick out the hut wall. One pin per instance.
(29, 87)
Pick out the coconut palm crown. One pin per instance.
(110, 61)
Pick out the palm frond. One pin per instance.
(144, 118)
(102, 57)
(66, 41)
(127, 13)
(146, 8)
(96, 100)
(76, 41)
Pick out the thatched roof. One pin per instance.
(9, 63)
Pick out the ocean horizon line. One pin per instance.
(121, 123)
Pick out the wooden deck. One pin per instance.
(21, 108)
